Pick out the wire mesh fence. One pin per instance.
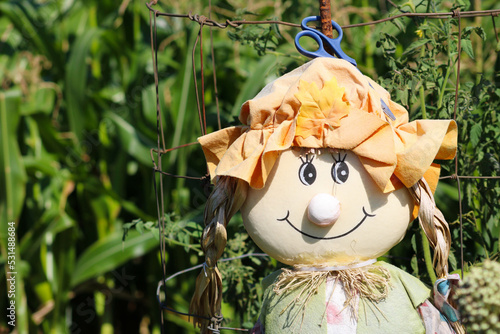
(206, 22)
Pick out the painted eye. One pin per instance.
(307, 173)
(340, 172)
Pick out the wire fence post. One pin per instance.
(326, 17)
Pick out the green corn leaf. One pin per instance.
(184, 107)
(136, 144)
(12, 190)
(12, 172)
(255, 82)
(42, 100)
(45, 164)
(52, 222)
(109, 253)
(33, 30)
(76, 81)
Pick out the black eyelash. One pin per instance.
(307, 159)
(341, 159)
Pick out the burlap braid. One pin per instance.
(434, 225)
(224, 201)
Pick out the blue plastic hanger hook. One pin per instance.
(322, 40)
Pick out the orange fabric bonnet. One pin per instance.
(327, 102)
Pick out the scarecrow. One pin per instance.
(326, 183)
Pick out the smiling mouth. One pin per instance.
(327, 238)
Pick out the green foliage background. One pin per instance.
(78, 118)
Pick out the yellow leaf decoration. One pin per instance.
(320, 109)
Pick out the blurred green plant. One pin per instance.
(72, 78)
(78, 118)
(478, 298)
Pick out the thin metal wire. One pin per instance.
(199, 178)
(457, 83)
(214, 71)
(175, 148)
(202, 75)
(163, 282)
(454, 177)
(162, 257)
(196, 81)
(228, 23)
(495, 26)
(396, 6)
(161, 215)
(160, 154)
(198, 266)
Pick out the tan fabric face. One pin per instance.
(329, 103)
(370, 222)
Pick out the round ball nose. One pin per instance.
(323, 210)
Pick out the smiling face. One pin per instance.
(324, 210)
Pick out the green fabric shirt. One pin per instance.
(396, 314)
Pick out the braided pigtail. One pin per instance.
(434, 225)
(226, 198)
(437, 231)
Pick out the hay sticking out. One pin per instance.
(371, 283)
